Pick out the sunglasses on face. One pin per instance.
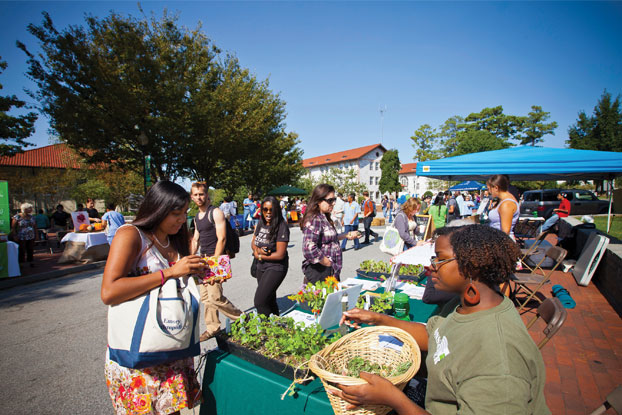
(331, 200)
(266, 209)
(435, 264)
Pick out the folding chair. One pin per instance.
(554, 314)
(532, 250)
(523, 281)
(614, 400)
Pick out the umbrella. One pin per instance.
(287, 191)
(467, 186)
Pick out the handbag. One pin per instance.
(217, 268)
(157, 327)
(392, 243)
(254, 267)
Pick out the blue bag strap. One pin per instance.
(139, 327)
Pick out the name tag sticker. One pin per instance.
(389, 342)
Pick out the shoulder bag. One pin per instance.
(392, 243)
(159, 326)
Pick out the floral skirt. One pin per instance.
(161, 389)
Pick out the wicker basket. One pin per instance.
(365, 343)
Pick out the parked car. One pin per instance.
(582, 202)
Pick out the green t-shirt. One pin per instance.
(438, 213)
(483, 363)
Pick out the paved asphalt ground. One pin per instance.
(53, 338)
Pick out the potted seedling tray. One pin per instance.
(378, 276)
(251, 356)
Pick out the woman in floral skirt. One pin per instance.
(134, 268)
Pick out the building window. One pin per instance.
(377, 165)
(371, 165)
(404, 182)
(377, 195)
(371, 180)
(377, 180)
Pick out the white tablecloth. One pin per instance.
(13, 253)
(88, 239)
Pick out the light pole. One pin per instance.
(143, 140)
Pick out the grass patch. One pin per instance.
(616, 225)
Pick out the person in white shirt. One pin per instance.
(337, 214)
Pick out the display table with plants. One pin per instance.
(260, 357)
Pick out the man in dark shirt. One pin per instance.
(59, 219)
(210, 234)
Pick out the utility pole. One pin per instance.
(382, 111)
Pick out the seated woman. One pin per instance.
(480, 357)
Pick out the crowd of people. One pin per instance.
(477, 344)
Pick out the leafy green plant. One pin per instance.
(315, 294)
(356, 365)
(280, 338)
(378, 304)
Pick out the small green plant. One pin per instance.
(378, 304)
(280, 338)
(356, 365)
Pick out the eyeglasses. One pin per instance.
(435, 264)
(266, 209)
(331, 200)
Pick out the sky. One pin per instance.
(336, 64)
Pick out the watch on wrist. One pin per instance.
(259, 257)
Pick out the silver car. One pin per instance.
(582, 202)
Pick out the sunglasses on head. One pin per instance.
(331, 200)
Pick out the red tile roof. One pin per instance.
(353, 154)
(58, 156)
(409, 168)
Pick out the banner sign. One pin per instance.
(5, 213)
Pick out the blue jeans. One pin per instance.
(350, 228)
(549, 222)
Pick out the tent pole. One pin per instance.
(610, 202)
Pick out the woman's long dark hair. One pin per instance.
(277, 216)
(313, 207)
(161, 199)
(439, 200)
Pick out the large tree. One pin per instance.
(476, 141)
(600, 131)
(122, 88)
(424, 142)
(535, 126)
(14, 129)
(390, 167)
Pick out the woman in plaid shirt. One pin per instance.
(320, 240)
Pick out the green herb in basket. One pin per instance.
(356, 365)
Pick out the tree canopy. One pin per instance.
(489, 129)
(14, 130)
(120, 88)
(600, 131)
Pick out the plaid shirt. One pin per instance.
(319, 240)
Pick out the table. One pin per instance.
(85, 247)
(12, 259)
(227, 377)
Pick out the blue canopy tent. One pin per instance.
(527, 163)
(467, 186)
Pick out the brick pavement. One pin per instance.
(584, 359)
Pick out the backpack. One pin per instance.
(232, 244)
(373, 208)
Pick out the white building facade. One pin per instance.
(413, 184)
(365, 161)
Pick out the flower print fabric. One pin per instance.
(161, 389)
(25, 228)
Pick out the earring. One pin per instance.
(471, 294)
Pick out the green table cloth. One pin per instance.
(232, 386)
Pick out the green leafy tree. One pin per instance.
(14, 130)
(424, 142)
(390, 167)
(447, 134)
(535, 126)
(475, 141)
(344, 181)
(601, 131)
(495, 122)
